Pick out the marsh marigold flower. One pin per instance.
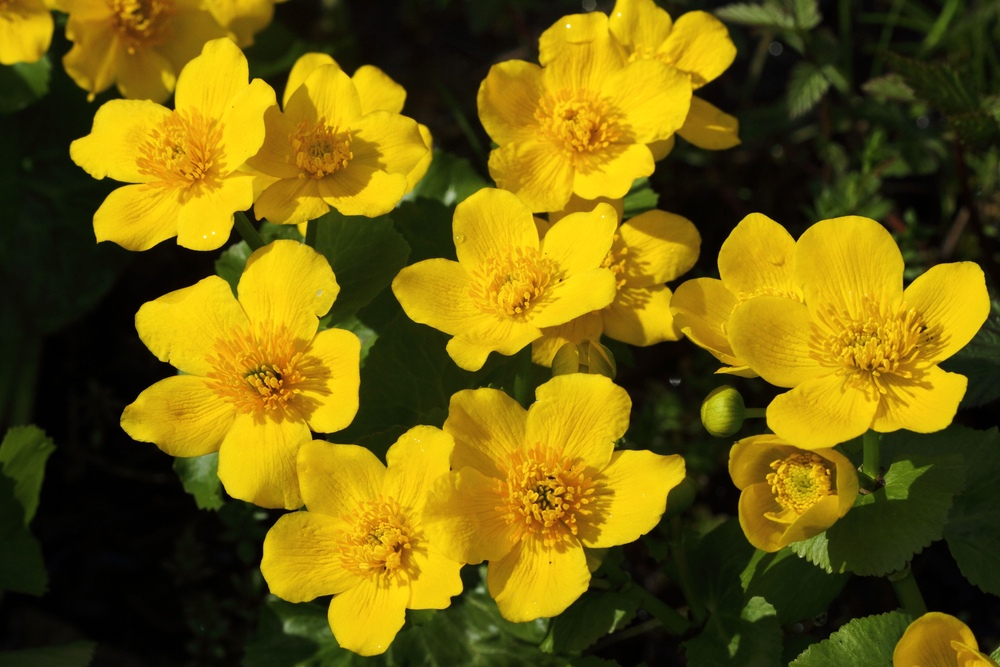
(789, 494)
(257, 377)
(327, 149)
(139, 45)
(649, 250)
(531, 489)
(939, 640)
(184, 163)
(580, 123)
(507, 284)
(243, 18)
(25, 31)
(861, 352)
(755, 260)
(362, 539)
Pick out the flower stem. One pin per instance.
(755, 413)
(871, 464)
(907, 592)
(248, 231)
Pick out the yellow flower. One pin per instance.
(861, 353)
(789, 494)
(697, 44)
(184, 163)
(939, 640)
(580, 123)
(25, 31)
(140, 45)
(244, 18)
(257, 377)
(329, 149)
(507, 284)
(650, 249)
(755, 260)
(363, 540)
(530, 489)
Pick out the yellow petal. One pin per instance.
(613, 171)
(953, 303)
(301, 70)
(181, 415)
(537, 172)
(415, 462)
(701, 309)
(291, 201)
(362, 189)
(287, 284)
(699, 44)
(580, 205)
(641, 316)
(462, 520)
(137, 217)
(183, 327)
(197, 26)
(708, 127)
(419, 170)
(661, 149)
(573, 297)
(327, 94)
(653, 97)
(92, 65)
(335, 479)
(756, 504)
(487, 425)
(924, 403)
(470, 348)
(839, 261)
(112, 148)
(630, 498)
(205, 221)
(257, 461)
(333, 361)
(580, 241)
(435, 292)
(821, 413)
(661, 247)
(574, 332)
(534, 581)
(639, 25)
(145, 74)
(750, 458)
(366, 618)
(578, 52)
(389, 141)
(579, 415)
(377, 90)
(438, 581)
(210, 82)
(773, 335)
(275, 157)
(25, 32)
(507, 100)
(489, 224)
(302, 557)
(927, 641)
(243, 122)
(756, 258)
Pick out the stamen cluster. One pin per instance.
(800, 481)
(184, 152)
(320, 149)
(378, 540)
(508, 284)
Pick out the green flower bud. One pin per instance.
(587, 357)
(723, 411)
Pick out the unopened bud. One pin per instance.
(587, 357)
(723, 411)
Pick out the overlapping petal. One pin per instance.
(257, 461)
(462, 520)
(757, 257)
(822, 412)
(661, 247)
(488, 425)
(302, 557)
(708, 127)
(417, 459)
(336, 478)
(783, 356)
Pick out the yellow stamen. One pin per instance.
(800, 481)
(378, 541)
(580, 123)
(320, 149)
(615, 260)
(184, 151)
(141, 23)
(508, 285)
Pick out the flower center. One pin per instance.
(871, 345)
(544, 495)
(320, 149)
(579, 122)
(184, 152)
(262, 372)
(509, 284)
(140, 23)
(800, 481)
(378, 539)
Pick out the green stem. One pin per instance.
(684, 578)
(755, 413)
(871, 464)
(248, 231)
(907, 592)
(522, 377)
(312, 228)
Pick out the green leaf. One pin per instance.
(426, 226)
(781, 578)
(366, 254)
(937, 83)
(23, 83)
(231, 262)
(449, 180)
(864, 642)
(200, 477)
(806, 87)
(23, 454)
(971, 532)
(716, 563)
(22, 568)
(77, 654)
(887, 527)
(295, 635)
(594, 615)
(807, 14)
(891, 87)
(641, 197)
(751, 639)
(758, 16)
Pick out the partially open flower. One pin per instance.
(789, 494)
(939, 640)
